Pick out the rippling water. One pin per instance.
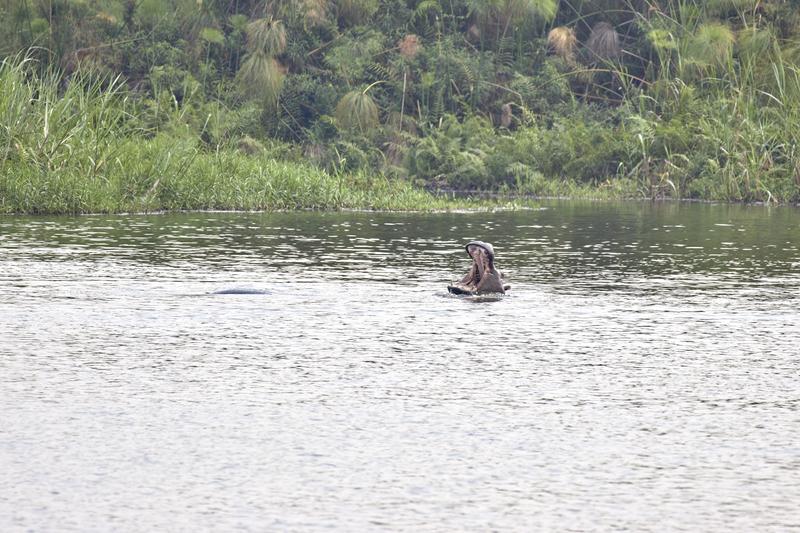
(642, 373)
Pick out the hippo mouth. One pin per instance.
(481, 258)
(482, 277)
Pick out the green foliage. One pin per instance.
(453, 155)
(351, 56)
(497, 16)
(44, 127)
(357, 110)
(212, 36)
(304, 100)
(261, 78)
(238, 22)
(545, 92)
(585, 148)
(755, 44)
(79, 151)
(662, 39)
(38, 28)
(657, 99)
(724, 8)
(711, 46)
(150, 13)
(355, 12)
(266, 37)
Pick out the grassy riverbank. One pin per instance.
(123, 105)
(83, 149)
(160, 174)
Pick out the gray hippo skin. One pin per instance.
(244, 290)
(483, 277)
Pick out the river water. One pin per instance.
(642, 373)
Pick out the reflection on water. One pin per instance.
(642, 373)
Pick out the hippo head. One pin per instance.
(482, 277)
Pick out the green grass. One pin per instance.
(82, 148)
(78, 150)
(162, 174)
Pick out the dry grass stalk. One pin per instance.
(563, 43)
(410, 46)
(507, 115)
(603, 42)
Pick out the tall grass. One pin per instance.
(77, 148)
(720, 121)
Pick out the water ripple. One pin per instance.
(641, 374)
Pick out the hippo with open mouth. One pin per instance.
(483, 277)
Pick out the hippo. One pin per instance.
(237, 290)
(483, 277)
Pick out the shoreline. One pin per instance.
(504, 202)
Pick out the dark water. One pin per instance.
(642, 374)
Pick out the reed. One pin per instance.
(721, 115)
(160, 174)
(79, 149)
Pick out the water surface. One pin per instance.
(642, 373)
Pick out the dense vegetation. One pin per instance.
(109, 105)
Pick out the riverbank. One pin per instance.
(237, 105)
(163, 175)
(91, 147)
(84, 148)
